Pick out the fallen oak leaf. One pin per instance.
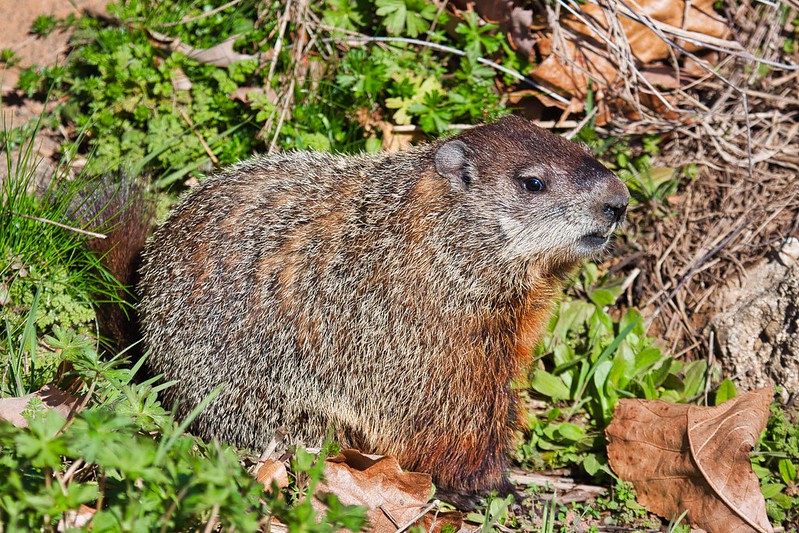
(722, 438)
(648, 28)
(571, 77)
(696, 20)
(64, 403)
(694, 459)
(394, 498)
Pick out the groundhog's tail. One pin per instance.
(121, 210)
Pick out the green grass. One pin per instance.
(123, 453)
(47, 277)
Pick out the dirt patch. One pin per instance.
(32, 49)
(757, 332)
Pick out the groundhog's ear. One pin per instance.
(452, 163)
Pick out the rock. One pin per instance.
(757, 333)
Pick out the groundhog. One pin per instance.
(389, 298)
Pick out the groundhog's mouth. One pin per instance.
(594, 240)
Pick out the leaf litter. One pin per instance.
(396, 500)
(756, 135)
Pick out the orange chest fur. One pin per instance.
(531, 319)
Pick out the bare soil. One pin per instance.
(17, 19)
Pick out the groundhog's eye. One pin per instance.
(533, 185)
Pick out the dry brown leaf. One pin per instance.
(722, 438)
(391, 140)
(394, 141)
(248, 95)
(661, 76)
(695, 459)
(381, 485)
(571, 76)
(272, 470)
(76, 519)
(645, 44)
(221, 55)
(515, 20)
(584, 55)
(180, 82)
(63, 402)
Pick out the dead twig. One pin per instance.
(63, 226)
(412, 521)
(696, 267)
(196, 133)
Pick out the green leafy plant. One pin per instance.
(139, 101)
(132, 479)
(9, 57)
(480, 37)
(775, 463)
(126, 457)
(625, 509)
(410, 17)
(495, 515)
(44, 25)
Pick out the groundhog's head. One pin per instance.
(551, 199)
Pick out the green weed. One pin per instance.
(125, 456)
(8, 57)
(775, 462)
(44, 25)
(495, 515)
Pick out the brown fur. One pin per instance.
(392, 297)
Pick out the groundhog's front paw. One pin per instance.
(507, 488)
(467, 501)
(463, 501)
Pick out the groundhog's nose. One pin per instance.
(616, 206)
